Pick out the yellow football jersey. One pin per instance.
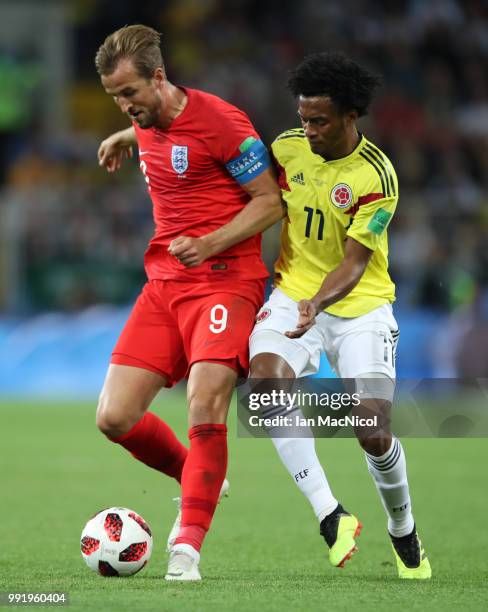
(329, 200)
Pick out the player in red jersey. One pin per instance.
(208, 175)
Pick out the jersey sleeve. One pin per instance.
(236, 144)
(377, 201)
(231, 128)
(287, 145)
(371, 220)
(284, 149)
(279, 164)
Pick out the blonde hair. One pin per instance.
(139, 43)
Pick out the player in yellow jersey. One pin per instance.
(333, 292)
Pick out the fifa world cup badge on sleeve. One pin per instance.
(379, 221)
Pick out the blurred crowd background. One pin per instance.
(73, 237)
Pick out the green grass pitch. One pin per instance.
(263, 550)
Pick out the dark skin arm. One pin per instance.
(335, 287)
(263, 210)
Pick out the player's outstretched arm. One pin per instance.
(335, 287)
(113, 149)
(264, 209)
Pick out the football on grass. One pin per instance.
(116, 542)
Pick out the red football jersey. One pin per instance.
(191, 190)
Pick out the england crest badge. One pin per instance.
(179, 158)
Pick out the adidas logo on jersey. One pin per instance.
(298, 178)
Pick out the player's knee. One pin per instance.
(207, 405)
(110, 421)
(268, 365)
(375, 446)
(209, 391)
(109, 424)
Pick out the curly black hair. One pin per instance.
(349, 85)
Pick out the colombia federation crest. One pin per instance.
(341, 195)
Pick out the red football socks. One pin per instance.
(203, 475)
(155, 444)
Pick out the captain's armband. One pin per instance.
(250, 164)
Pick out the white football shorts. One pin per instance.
(357, 346)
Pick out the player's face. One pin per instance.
(137, 96)
(326, 129)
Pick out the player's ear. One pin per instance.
(159, 75)
(351, 117)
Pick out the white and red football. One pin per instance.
(116, 542)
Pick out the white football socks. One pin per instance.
(300, 459)
(389, 471)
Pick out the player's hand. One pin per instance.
(112, 152)
(306, 319)
(191, 252)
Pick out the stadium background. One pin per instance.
(72, 237)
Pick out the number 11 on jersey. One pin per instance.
(310, 214)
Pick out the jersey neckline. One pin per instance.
(352, 154)
(189, 101)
